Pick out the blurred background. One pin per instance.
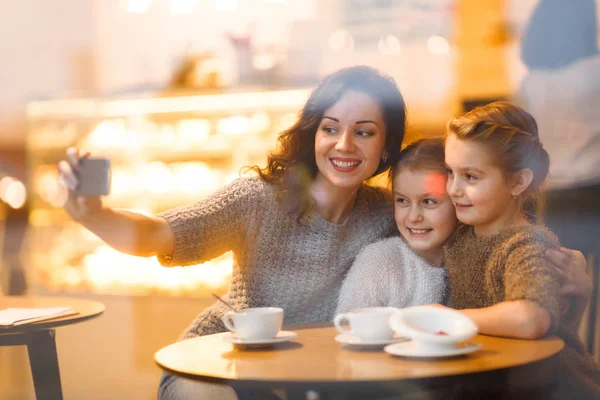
(181, 94)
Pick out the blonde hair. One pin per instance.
(511, 135)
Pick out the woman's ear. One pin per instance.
(384, 156)
(522, 180)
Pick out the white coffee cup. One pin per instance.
(369, 324)
(255, 323)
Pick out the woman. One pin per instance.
(294, 230)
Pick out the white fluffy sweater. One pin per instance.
(388, 273)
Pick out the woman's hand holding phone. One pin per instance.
(87, 179)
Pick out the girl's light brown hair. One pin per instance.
(421, 155)
(511, 135)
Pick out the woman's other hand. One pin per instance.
(576, 286)
(571, 265)
(78, 207)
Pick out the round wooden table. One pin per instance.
(39, 337)
(314, 360)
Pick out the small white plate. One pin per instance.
(356, 341)
(409, 349)
(282, 336)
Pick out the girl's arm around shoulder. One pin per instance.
(522, 319)
(529, 275)
(529, 292)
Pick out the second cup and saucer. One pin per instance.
(256, 327)
(368, 327)
(435, 333)
(353, 340)
(413, 350)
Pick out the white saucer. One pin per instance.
(356, 341)
(409, 349)
(282, 336)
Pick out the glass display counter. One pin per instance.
(165, 152)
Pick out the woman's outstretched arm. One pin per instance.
(126, 231)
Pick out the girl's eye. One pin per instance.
(449, 171)
(470, 177)
(429, 202)
(401, 201)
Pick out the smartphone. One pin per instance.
(94, 177)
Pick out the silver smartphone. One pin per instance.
(94, 177)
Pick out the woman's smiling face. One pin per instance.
(350, 141)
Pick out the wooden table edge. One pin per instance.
(331, 384)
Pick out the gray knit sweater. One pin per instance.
(278, 261)
(389, 274)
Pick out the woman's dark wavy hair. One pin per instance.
(292, 166)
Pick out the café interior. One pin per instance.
(181, 95)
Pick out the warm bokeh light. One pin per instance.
(107, 270)
(233, 125)
(226, 5)
(14, 194)
(260, 122)
(49, 188)
(281, 99)
(389, 45)
(436, 184)
(341, 40)
(264, 61)
(182, 6)
(193, 131)
(158, 178)
(108, 134)
(438, 45)
(286, 121)
(138, 6)
(4, 182)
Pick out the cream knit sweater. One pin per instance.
(278, 261)
(389, 274)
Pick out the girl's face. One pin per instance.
(424, 212)
(350, 141)
(479, 189)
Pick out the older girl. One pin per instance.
(294, 230)
(497, 270)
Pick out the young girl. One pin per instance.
(496, 266)
(406, 271)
